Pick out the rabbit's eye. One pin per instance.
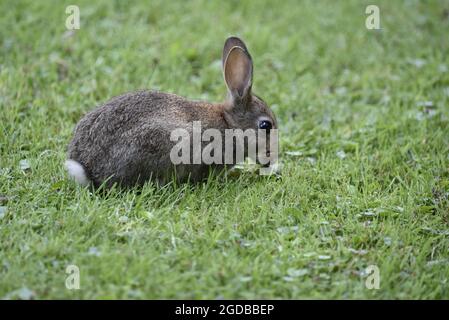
(265, 124)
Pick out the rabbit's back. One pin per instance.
(127, 140)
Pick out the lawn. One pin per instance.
(364, 132)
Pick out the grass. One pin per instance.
(364, 137)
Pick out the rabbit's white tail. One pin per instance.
(77, 172)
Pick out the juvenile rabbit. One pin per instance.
(127, 140)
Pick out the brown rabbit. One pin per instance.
(127, 140)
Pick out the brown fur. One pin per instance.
(127, 140)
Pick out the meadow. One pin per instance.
(364, 134)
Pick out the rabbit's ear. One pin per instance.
(229, 44)
(238, 70)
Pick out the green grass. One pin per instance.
(364, 112)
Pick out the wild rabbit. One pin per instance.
(128, 139)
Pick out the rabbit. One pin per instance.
(126, 141)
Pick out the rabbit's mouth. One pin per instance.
(264, 160)
(266, 165)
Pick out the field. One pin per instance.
(364, 122)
